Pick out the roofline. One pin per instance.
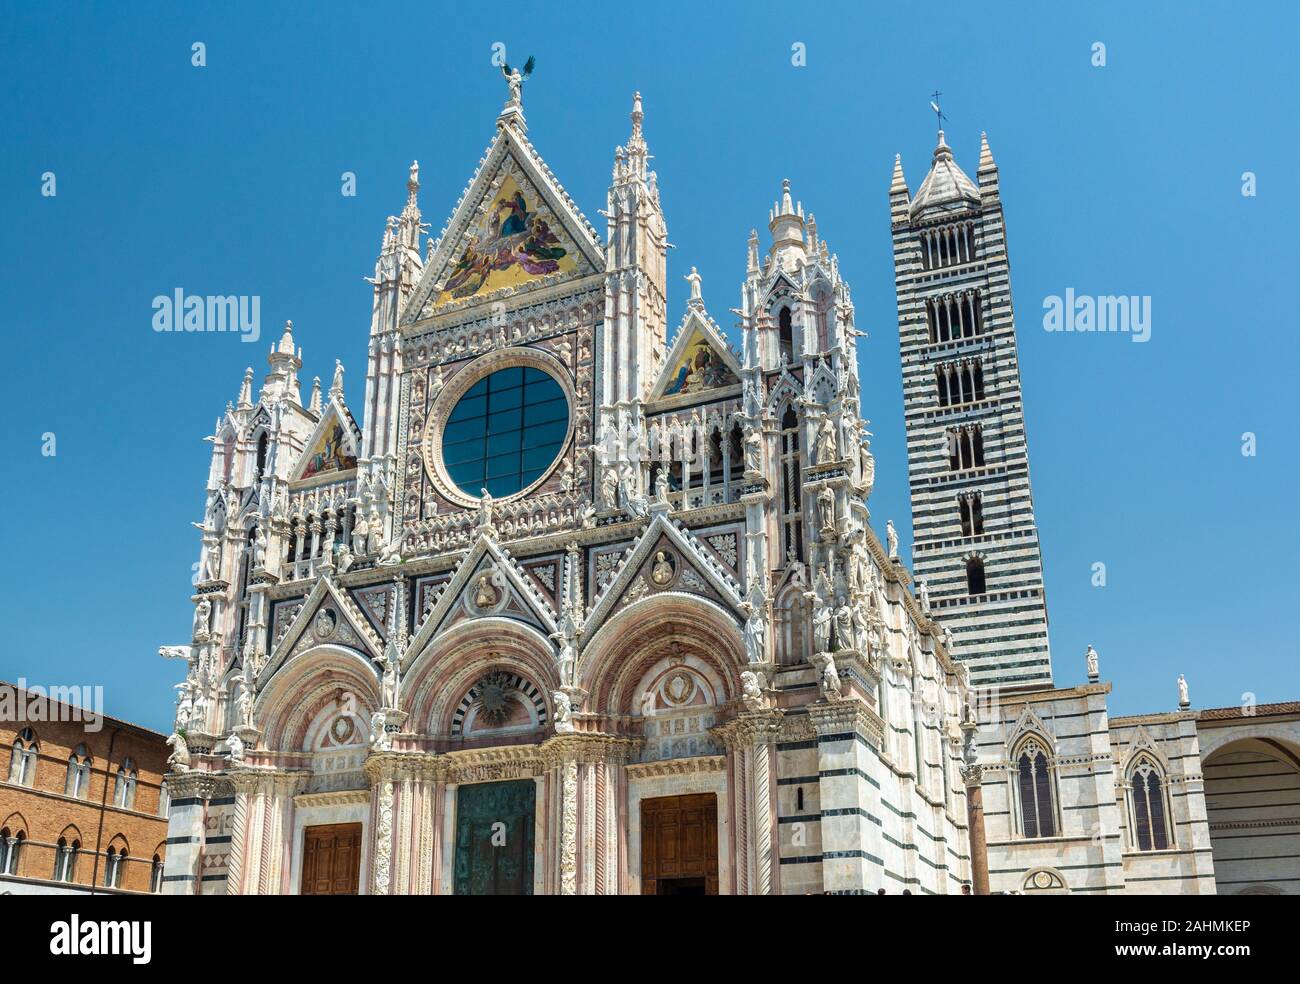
(85, 712)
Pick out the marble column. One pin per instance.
(750, 739)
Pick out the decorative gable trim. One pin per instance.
(325, 591)
(450, 592)
(508, 143)
(696, 321)
(627, 573)
(335, 414)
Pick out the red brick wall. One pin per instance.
(45, 814)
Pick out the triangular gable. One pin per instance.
(641, 558)
(1142, 743)
(515, 596)
(699, 359)
(515, 227)
(343, 625)
(333, 446)
(785, 388)
(376, 603)
(1030, 723)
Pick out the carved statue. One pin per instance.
(662, 572)
(344, 560)
(844, 630)
(661, 487)
(485, 596)
(755, 651)
(179, 759)
(380, 741)
(516, 79)
(390, 684)
(826, 509)
(826, 449)
(868, 462)
(185, 705)
(485, 511)
(259, 550)
(823, 614)
(1183, 699)
(244, 701)
(829, 676)
(391, 553)
(648, 703)
(199, 715)
(609, 487)
(923, 595)
(751, 690)
(753, 452)
(174, 652)
(202, 614)
(891, 536)
(236, 746)
(359, 533)
(563, 712)
(1094, 666)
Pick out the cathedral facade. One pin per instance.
(577, 604)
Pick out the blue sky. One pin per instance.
(1123, 179)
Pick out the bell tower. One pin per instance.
(975, 540)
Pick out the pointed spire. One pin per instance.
(246, 390)
(314, 404)
(286, 340)
(946, 184)
(751, 264)
(898, 183)
(787, 225)
(282, 380)
(637, 152)
(336, 387)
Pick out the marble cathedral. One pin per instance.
(577, 604)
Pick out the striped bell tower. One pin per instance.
(975, 539)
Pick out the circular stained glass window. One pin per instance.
(505, 432)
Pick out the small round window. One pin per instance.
(505, 432)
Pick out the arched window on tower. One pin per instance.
(791, 488)
(972, 513)
(785, 324)
(975, 584)
(1147, 806)
(1036, 790)
(22, 761)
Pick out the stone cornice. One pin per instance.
(341, 797)
(750, 728)
(839, 716)
(677, 767)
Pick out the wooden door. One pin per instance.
(331, 859)
(494, 838)
(679, 845)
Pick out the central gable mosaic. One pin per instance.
(513, 240)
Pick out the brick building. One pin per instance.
(82, 807)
